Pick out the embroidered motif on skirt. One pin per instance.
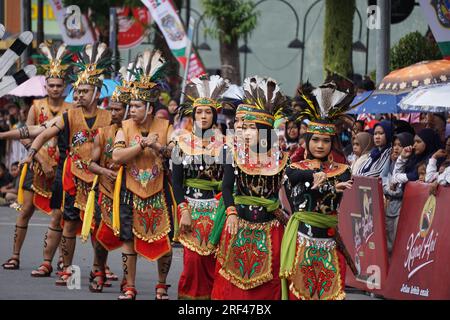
(41, 185)
(203, 218)
(81, 196)
(106, 205)
(151, 221)
(248, 255)
(316, 274)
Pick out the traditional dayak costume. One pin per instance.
(312, 260)
(197, 182)
(105, 232)
(78, 179)
(144, 214)
(55, 62)
(248, 262)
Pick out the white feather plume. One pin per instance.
(100, 50)
(61, 50)
(46, 51)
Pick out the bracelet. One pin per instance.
(24, 133)
(32, 152)
(119, 145)
(182, 206)
(231, 211)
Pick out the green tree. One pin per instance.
(338, 36)
(413, 48)
(233, 19)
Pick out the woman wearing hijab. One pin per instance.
(362, 144)
(426, 143)
(393, 192)
(379, 155)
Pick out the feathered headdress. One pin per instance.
(54, 60)
(327, 103)
(148, 71)
(122, 92)
(204, 91)
(93, 62)
(264, 101)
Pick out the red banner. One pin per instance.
(420, 265)
(362, 228)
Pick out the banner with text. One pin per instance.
(420, 263)
(362, 228)
(165, 15)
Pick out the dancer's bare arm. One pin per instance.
(42, 138)
(34, 131)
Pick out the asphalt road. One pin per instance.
(19, 285)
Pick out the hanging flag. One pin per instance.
(437, 13)
(74, 26)
(165, 15)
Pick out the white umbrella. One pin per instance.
(35, 86)
(434, 98)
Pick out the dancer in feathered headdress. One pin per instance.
(257, 170)
(106, 170)
(142, 144)
(316, 186)
(197, 184)
(82, 125)
(39, 188)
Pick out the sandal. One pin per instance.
(63, 278)
(11, 264)
(44, 270)
(123, 284)
(129, 294)
(110, 275)
(164, 295)
(97, 285)
(60, 265)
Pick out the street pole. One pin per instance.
(383, 39)
(188, 12)
(190, 32)
(367, 52)
(305, 19)
(26, 27)
(113, 35)
(40, 22)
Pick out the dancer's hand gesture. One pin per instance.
(185, 221)
(345, 185)
(319, 179)
(232, 224)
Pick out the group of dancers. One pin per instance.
(132, 182)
